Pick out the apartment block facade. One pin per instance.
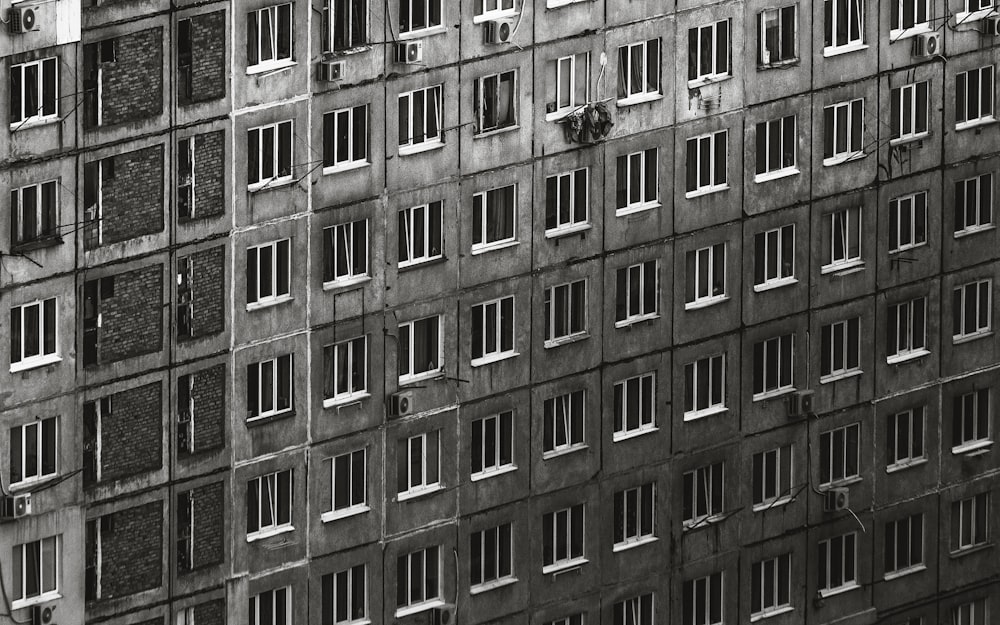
(547, 312)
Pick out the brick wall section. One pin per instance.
(209, 408)
(132, 553)
(208, 277)
(209, 525)
(132, 320)
(132, 86)
(131, 436)
(132, 201)
(208, 57)
(210, 613)
(209, 159)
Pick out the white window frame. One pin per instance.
(430, 25)
(18, 236)
(904, 339)
(351, 580)
(567, 66)
(275, 618)
(330, 19)
(48, 64)
(19, 440)
(553, 313)
(838, 546)
(898, 28)
(426, 600)
(716, 180)
(974, 193)
(840, 342)
(560, 200)
(492, 462)
(975, 10)
(276, 129)
(44, 356)
(778, 463)
(486, 10)
(775, 349)
(980, 327)
(705, 294)
(968, 533)
(269, 484)
(357, 502)
(434, 140)
(19, 598)
(703, 482)
(975, 612)
(635, 279)
(338, 119)
(481, 203)
(698, 78)
(491, 577)
(424, 216)
(766, 573)
(560, 410)
(963, 104)
(411, 375)
(774, 16)
(905, 101)
(842, 220)
(700, 592)
(274, 18)
(637, 161)
(349, 394)
(644, 387)
(855, 10)
(424, 485)
(636, 94)
(847, 114)
(281, 246)
(972, 413)
(906, 435)
(639, 610)
(551, 523)
(909, 212)
(783, 131)
(504, 335)
(778, 270)
(275, 383)
(341, 242)
(907, 555)
(631, 506)
(489, 88)
(716, 387)
(835, 443)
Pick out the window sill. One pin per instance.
(968, 338)
(906, 464)
(430, 31)
(270, 66)
(836, 377)
(778, 64)
(333, 285)
(829, 592)
(906, 248)
(555, 4)
(694, 415)
(42, 598)
(776, 175)
(906, 140)
(967, 232)
(477, 589)
(492, 247)
(358, 49)
(560, 114)
(492, 358)
(774, 284)
(898, 34)
(416, 608)
(618, 437)
(555, 453)
(844, 49)
(640, 98)
(975, 123)
(415, 264)
(348, 166)
(492, 132)
(706, 521)
(423, 146)
(709, 79)
(910, 570)
(336, 515)
(773, 394)
(421, 377)
(970, 17)
(421, 491)
(776, 503)
(705, 303)
(759, 616)
(267, 417)
(37, 243)
(32, 482)
(270, 183)
(343, 400)
(843, 268)
(840, 483)
(716, 188)
(494, 15)
(34, 362)
(485, 475)
(964, 551)
(636, 208)
(565, 340)
(833, 161)
(259, 305)
(565, 231)
(897, 359)
(268, 533)
(972, 449)
(632, 544)
(563, 567)
(633, 321)
(33, 122)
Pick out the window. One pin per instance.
(971, 309)
(417, 577)
(839, 455)
(493, 330)
(908, 14)
(776, 36)
(702, 601)
(345, 138)
(973, 203)
(269, 387)
(773, 366)
(636, 185)
(909, 111)
(563, 428)
(349, 479)
(420, 349)
(272, 607)
(774, 257)
(635, 405)
(706, 163)
(840, 349)
(574, 619)
(838, 563)
(33, 451)
(494, 217)
(636, 293)
(907, 221)
(269, 504)
(843, 127)
(845, 25)
(94, 412)
(775, 148)
(704, 381)
(905, 438)
(708, 52)
(186, 208)
(34, 92)
(345, 371)
(35, 571)
(345, 596)
(703, 495)
(566, 202)
(95, 293)
(969, 522)
(345, 253)
(970, 420)
(269, 37)
(975, 612)
(496, 104)
(562, 540)
(185, 305)
(705, 276)
(33, 335)
(97, 58)
(185, 531)
(634, 515)
(565, 311)
(843, 235)
(268, 273)
(493, 444)
(418, 464)
(492, 9)
(33, 214)
(420, 118)
(904, 544)
(420, 234)
(974, 97)
(771, 584)
(415, 15)
(906, 331)
(639, 71)
(492, 557)
(568, 84)
(345, 25)
(772, 477)
(634, 610)
(269, 154)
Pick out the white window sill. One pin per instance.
(423, 146)
(715, 188)
(633, 543)
(840, 375)
(423, 32)
(618, 437)
(910, 570)
(496, 131)
(844, 49)
(843, 268)
(705, 521)
(420, 377)
(492, 247)
(345, 282)
(492, 358)
(563, 231)
(336, 515)
(897, 34)
(968, 338)
(267, 303)
(559, 114)
(640, 98)
(555, 453)
(631, 321)
(906, 247)
(33, 481)
(840, 159)
(705, 303)
(555, 4)
(566, 565)
(261, 535)
(975, 123)
(33, 122)
(565, 340)
(775, 284)
(906, 464)
(485, 475)
(347, 398)
(965, 17)
(34, 362)
(708, 79)
(840, 483)
(264, 416)
(270, 183)
(419, 491)
(491, 585)
(704, 412)
(906, 139)
(829, 592)
(969, 549)
(971, 230)
(897, 359)
(640, 207)
(769, 612)
(778, 174)
(333, 54)
(419, 261)
(417, 608)
(773, 393)
(972, 447)
(270, 66)
(775, 503)
(494, 15)
(346, 166)
(778, 64)
(17, 604)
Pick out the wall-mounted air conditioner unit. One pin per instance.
(498, 31)
(400, 404)
(21, 20)
(836, 499)
(927, 44)
(331, 71)
(410, 52)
